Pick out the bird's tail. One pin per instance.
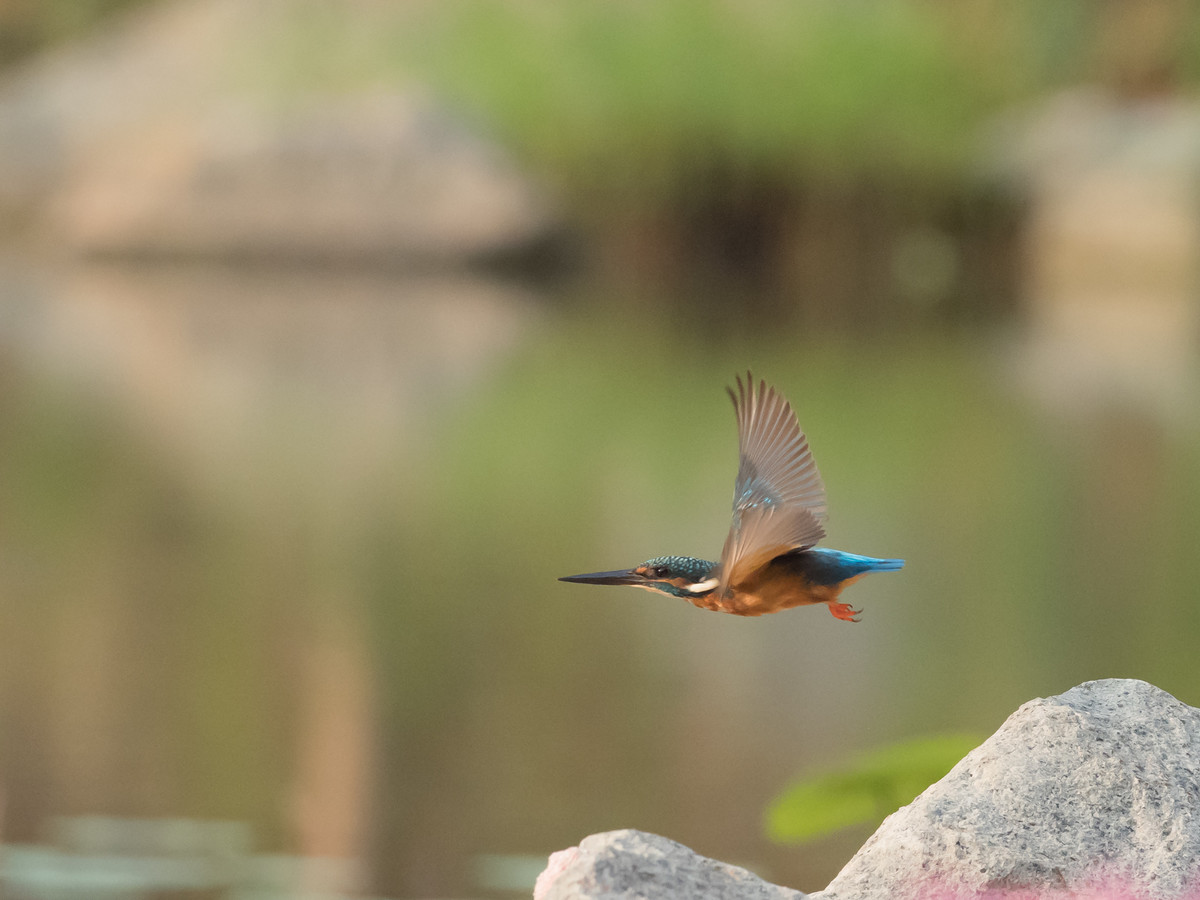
(886, 565)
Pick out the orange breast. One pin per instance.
(757, 597)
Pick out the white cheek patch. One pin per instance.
(702, 586)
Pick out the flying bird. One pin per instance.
(770, 561)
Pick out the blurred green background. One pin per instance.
(331, 334)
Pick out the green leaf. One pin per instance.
(867, 789)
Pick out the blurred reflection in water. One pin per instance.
(238, 355)
(280, 549)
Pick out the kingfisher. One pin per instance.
(770, 561)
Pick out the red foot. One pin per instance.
(844, 611)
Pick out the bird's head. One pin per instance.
(677, 576)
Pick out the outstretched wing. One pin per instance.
(778, 499)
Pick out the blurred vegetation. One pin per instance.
(667, 90)
(866, 788)
(27, 26)
(624, 104)
(793, 158)
(602, 96)
(804, 157)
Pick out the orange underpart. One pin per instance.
(844, 611)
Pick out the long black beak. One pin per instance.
(620, 576)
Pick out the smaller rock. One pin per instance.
(628, 864)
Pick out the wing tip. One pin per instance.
(743, 400)
(745, 389)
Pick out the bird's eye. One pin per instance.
(658, 571)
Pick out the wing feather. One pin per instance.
(778, 498)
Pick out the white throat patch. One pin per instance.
(701, 586)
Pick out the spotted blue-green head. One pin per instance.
(676, 576)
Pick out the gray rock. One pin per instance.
(628, 863)
(1100, 784)
(1097, 789)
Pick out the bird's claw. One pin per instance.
(844, 611)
